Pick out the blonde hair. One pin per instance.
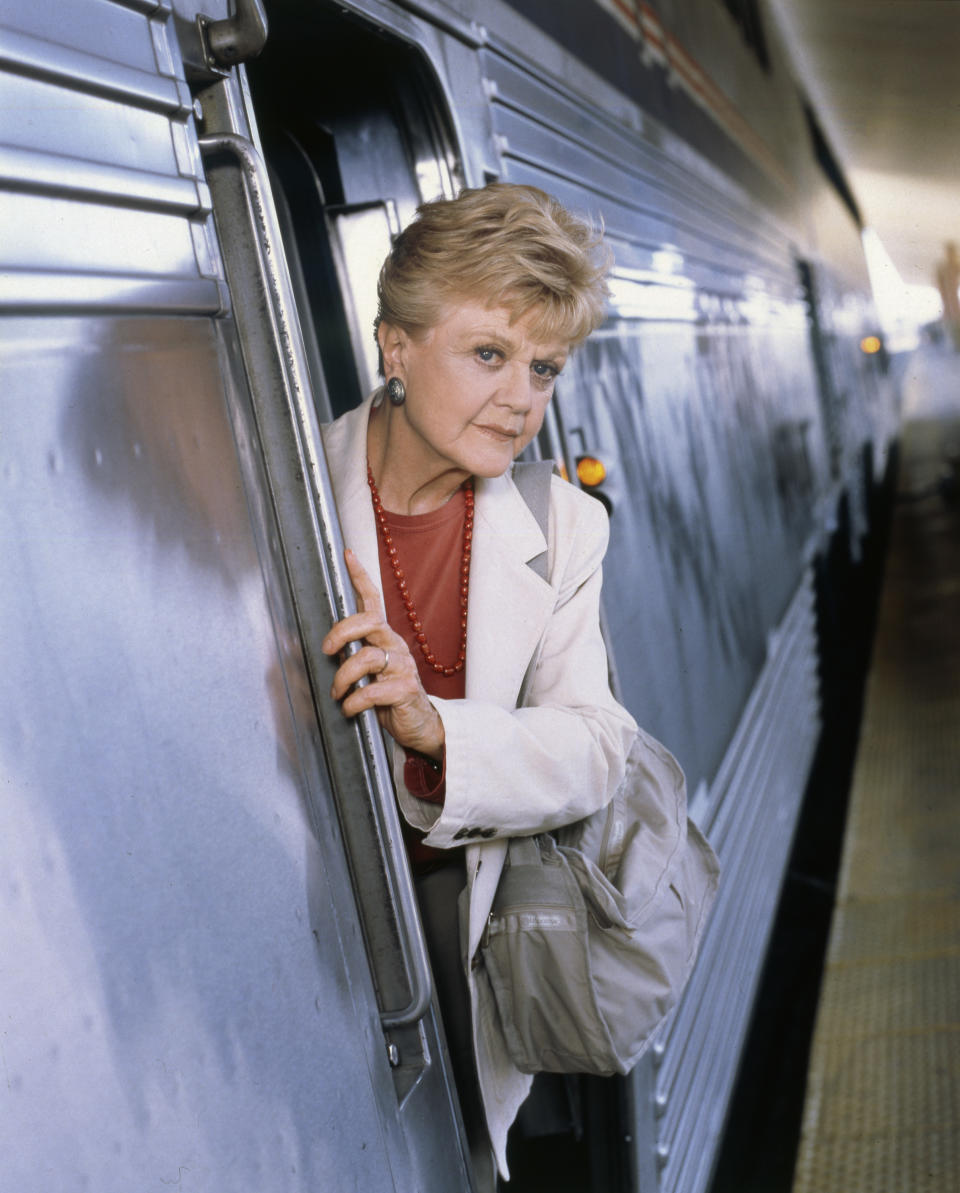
(502, 245)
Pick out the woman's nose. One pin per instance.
(515, 389)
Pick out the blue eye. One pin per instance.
(488, 355)
(545, 370)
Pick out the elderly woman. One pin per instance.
(482, 300)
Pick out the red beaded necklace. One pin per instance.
(400, 578)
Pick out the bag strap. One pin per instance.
(533, 479)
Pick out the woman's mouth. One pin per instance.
(501, 434)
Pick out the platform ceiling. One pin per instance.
(884, 78)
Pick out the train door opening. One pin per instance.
(351, 155)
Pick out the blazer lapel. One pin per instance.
(509, 603)
(345, 444)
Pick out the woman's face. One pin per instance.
(477, 386)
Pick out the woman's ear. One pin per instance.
(393, 344)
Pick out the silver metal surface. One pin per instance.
(133, 81)
(182, 974)
(749, 813)
(708, 527)
(43, 173)
(102, 197)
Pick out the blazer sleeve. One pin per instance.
(510, 771)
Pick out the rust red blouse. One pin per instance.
(429, 548)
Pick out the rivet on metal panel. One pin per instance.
(480, 33)
(502, 142)
(490, 88)
(663, 1155)
(658, 1050)
(660, 1105)
(393, 1055)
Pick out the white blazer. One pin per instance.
(509, 771)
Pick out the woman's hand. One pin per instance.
(396, 692)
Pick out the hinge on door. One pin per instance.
(233, 39)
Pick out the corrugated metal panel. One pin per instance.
(749, 814)
(102, 197)
(647, 199)
(703, 431)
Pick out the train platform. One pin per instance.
(882, 1110)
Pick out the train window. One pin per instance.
(363, 237)
(352, 154)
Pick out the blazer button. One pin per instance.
(488, 832)
(461, 833)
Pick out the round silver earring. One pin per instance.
(395, 391)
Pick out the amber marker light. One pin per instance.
(870, 345)
(591, 471)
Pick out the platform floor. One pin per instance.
(882, 1109)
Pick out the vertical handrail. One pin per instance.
(279, 313)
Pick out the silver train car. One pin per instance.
(212, 975)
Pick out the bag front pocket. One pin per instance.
(536, 954)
